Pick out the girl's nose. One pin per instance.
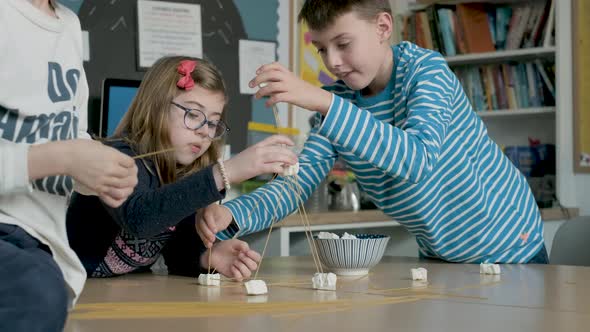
(203, 131)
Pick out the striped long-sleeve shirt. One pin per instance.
(424, 158)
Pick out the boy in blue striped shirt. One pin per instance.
(401, 121)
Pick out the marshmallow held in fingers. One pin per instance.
(262, 85)
(211, 279)
(420, 274)
(485, 268)
(324, 281)
(291, 170)
(256, 287)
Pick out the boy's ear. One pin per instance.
(384, 26)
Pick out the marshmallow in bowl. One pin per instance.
(485, 268)
(256, 287)
(211, 279)
(328, 235)
(348, 236)
(419, 274)
(291, 170)
(324, 281)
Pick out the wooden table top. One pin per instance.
(456, 298)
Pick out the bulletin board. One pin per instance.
(581, 69)
(311, 67)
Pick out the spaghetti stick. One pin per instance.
(154, 153)
(314, 246)
(306, 225)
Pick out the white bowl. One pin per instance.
(352, 257)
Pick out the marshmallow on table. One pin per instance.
(486, 268)
(327, 235)
(256, 287)
(324, 281)
(213, 279)
(291, 170)
(420, 274)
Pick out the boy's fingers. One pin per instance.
(114, 203)
(236, 273)
(119, 158)
(250, 263)
(118, 194)
(244, 270)
(279, 97)
(126, 182)
(263, 77)
(126, 161)
(269, 66)
(241, 246)
(254, 256)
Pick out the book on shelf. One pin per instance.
(467, 28)
(508, 86)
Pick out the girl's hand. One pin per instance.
(267, 156)
(232, 258)
(211, 220)
(281, 85)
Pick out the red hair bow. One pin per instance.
(185, 68)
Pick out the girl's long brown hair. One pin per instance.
(145, 126)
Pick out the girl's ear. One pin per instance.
(384, 24)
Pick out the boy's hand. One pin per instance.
(210, 221)
(281, 85)
(103, 170)
(232, 258)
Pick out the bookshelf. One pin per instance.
(496, 77)
(505, 56)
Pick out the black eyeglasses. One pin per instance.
(195, 119)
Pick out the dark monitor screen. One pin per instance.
(117, 95)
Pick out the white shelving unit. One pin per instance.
(524, 54)
(522, 112)
(413, 5)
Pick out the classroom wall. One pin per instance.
(112, 31)
(573, 189)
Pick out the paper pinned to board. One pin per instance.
(254, 54)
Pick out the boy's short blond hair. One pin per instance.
(319, 14)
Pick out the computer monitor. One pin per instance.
(117, 95)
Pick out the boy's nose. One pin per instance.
(333, 59)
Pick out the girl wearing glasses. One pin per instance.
(176, 122)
